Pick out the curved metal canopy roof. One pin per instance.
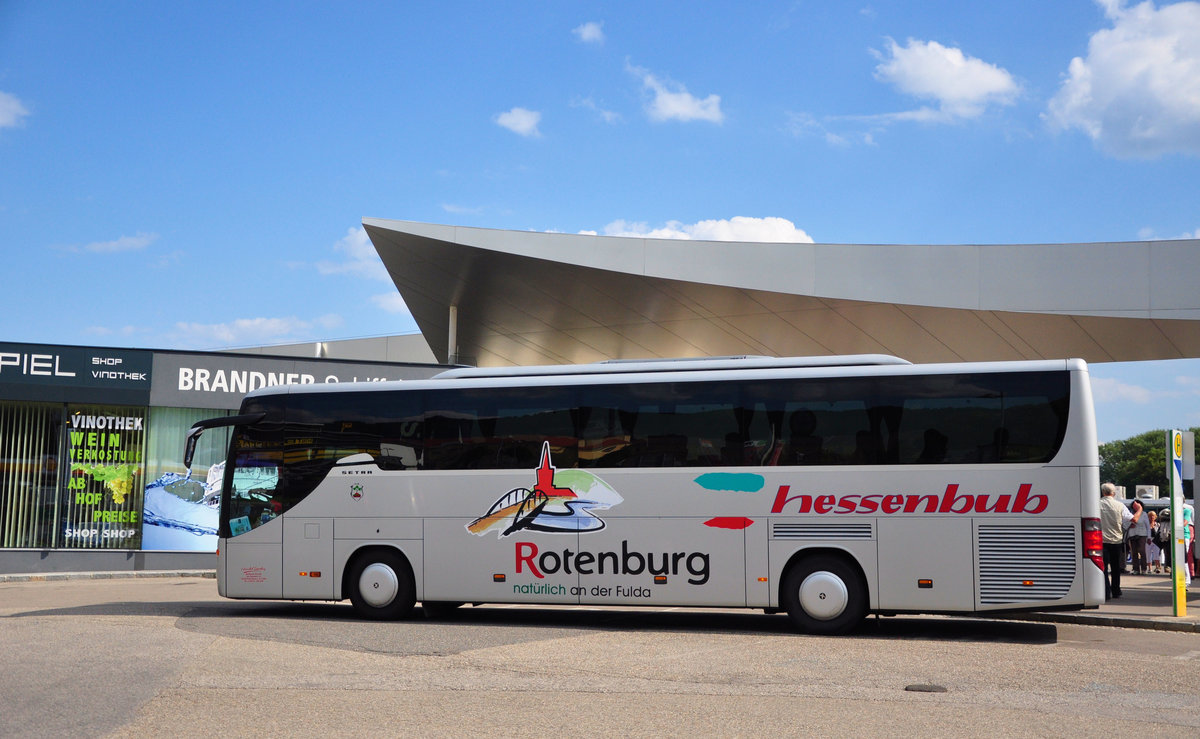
(524, 298)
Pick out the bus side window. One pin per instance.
(760, 430)
(802, 445)
(994, 452)
(605, 421)
(934, 449)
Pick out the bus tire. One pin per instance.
(824, 594)
(381, 585)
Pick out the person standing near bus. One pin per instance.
(1166, 538)
(1189, 544)
(1153, 548)
(1139, 532)
(1114, 521)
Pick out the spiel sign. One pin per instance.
(74, 374)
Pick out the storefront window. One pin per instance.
(29, 448)
(102, 503)
(180, 512)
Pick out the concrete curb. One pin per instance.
(1187, 625)
(113, 575)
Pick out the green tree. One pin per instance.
(1138, 460)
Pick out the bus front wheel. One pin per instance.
(381, 585)
(824, 594)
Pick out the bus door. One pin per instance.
(253, 553)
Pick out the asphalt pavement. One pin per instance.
(1146, 602)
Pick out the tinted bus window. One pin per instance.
(499, 428)
(978, 418)
(808, 422)
(931, 419)
(281, 459)
(903, 419)
(658, 425)
(324, 427)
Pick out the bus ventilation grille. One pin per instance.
(1025, 564)
(810, 531)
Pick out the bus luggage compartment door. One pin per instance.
(522, 567)
(927, 566)
(308, 556)
(253, 563)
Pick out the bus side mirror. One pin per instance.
(189, 449)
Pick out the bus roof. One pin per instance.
(685, 364)
(681, 370)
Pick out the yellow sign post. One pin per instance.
(1178, 546)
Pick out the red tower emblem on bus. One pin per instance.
(560, 501)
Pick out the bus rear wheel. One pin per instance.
(381, 585)
(824, 594)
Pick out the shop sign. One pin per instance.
(74, 374)
(220, 381)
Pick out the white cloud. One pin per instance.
(124, 243)
(1109, 390)
(671, 101)
(805, 124)
(1137, 92)
(11, 110)
(1147, 233)
(591, 32)
(520, 121)
(1189, 383)
(251, 331)
(962, 86)
(361, 258)
(106, 331)
(390, 302)
(609, 116)
(738, 228)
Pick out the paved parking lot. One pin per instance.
(151, 657)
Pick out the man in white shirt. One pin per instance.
(1114, 520)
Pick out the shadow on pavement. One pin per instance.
(288, 621)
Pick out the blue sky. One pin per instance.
(193, 174)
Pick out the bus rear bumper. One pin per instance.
(1093, 585)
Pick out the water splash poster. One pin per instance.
(181, 512)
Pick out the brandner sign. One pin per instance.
(220, 381)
